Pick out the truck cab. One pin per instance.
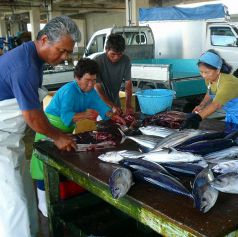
(224, 39)
(139, 41)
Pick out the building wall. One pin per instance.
(98, 21)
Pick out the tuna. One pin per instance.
(207, 146)
(226, 183)
(228, 153)
(168, 155)
(187, 169)
(156, 131)
(120, 182)
(176, 138)
(143, 140)
(204, 194)
(201, 137)
(116, 156)
(226, 167)
(162, 181)
(139, 164)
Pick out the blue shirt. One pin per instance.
(70, 99)
(21, 75)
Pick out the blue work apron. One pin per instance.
(231, 109)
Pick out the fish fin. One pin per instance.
(169, 149)
(123, 135)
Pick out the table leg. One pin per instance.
(53, 197)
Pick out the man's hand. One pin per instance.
(65, 142)
(192, 121)
(90, 114)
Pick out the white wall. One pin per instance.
(98, 21)
(82, 27)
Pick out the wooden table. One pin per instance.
(165, 212)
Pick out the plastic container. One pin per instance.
(153, 101)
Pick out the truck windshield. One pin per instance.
(135, 38)
(223, 36)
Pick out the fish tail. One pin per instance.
(123, 135)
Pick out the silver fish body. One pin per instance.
(156, 131)
(140, 164)
(226, 167)
(204, 194)
(116, 156)
(120, 182)
(227, 183)
(230, 152)
(176, 138)
(163, 181)
(170, 155)
(145, 140)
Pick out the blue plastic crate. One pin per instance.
(153, 101)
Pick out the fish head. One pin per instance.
(117, 190)
(204, 194)
(207, 200)
(111, 156)
(120, 182)
(217, 169)
(220, 182)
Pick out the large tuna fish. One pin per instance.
(204, 194)
(227, 183)
(208, 146)
(176, 138)
(116, 156)
(139, 164)
(183, 168)
(143, 140)
(156, 131)
(227, 153)
(120, 182)
(202, 137)
(226, 167)
(162, 181)
(168, 155)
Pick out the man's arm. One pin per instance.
(101, 93)
(37, 120)
(128, 90)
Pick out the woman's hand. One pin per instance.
(198, 109)
(116, 110)
(90, 114)
(116, 118)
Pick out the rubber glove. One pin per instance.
(193, 120)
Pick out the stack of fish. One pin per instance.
(209, 157)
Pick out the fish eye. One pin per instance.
(204, 199)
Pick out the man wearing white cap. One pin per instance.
(222, 91)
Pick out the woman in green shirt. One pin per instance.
(222, 91)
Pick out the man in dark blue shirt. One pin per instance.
(20, 81)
